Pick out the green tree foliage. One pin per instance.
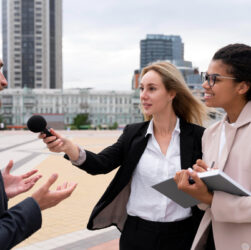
(114, 126)
(80, 120)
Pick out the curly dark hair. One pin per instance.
(238, 57)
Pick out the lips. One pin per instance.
(208, 95)
(146, 105)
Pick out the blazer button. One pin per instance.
(245, 246)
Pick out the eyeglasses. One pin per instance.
(211, 79)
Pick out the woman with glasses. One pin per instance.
(147, 153)
(227, 221)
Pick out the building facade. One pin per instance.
(32, 43)
(168, 48)
(160, 47)
(103, 107)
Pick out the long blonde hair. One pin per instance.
(185, 105)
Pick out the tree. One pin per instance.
(81, 119)
(114, 126)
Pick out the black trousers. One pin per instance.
(210, 240)
(139, 234)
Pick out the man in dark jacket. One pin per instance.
(23, 219)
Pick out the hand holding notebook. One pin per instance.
(216, 180)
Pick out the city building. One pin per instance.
(135, 79)
(170, 48)
(102, 107)
(32, 43)
(191, 74)
(160, 47)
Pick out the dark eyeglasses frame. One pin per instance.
(211, 78)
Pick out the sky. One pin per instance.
(101, 38)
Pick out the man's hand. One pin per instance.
(15, 185)
(47, 198)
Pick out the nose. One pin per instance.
(205, 85)
(143, 94)
(3, 81)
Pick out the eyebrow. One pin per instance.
(151, 83)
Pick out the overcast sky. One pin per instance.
(101, 37)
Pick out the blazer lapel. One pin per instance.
(186, 144)
(138, 146)
(230, 132)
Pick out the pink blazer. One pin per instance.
(230, 215)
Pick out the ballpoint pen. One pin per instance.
(212, 165)
(190, 179)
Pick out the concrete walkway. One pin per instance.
(64, 226)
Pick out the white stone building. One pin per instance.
(103, 107)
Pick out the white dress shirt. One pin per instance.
(154, 167)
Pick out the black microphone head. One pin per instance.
(36, 123)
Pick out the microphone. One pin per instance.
(37, 124)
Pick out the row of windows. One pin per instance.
(26, 44)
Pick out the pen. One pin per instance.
(212, 165)
(190, 179)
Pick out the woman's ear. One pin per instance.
(243, 87)
(172, 94)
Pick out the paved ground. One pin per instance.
(64, 226)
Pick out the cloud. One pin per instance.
(107, 33)
(101, 38)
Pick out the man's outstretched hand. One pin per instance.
(47, 198)
(15, 185)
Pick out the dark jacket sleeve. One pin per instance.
(107, 160)
(19, 222)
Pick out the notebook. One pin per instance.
(216, 180)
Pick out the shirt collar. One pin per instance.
(150, 127)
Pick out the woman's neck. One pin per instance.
(164, 125)
(234, 111)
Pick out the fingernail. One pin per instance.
(54, 176)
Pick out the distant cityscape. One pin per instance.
(32, 55)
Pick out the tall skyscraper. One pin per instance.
(160, 47)
(32, 43)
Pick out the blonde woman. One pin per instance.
(147, 153)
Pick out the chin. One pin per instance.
(211, 105)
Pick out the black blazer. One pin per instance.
(18, 222)
(126, 152)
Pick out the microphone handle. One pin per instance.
(47, 132)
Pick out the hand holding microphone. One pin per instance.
(54, 141)
(37, 124)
